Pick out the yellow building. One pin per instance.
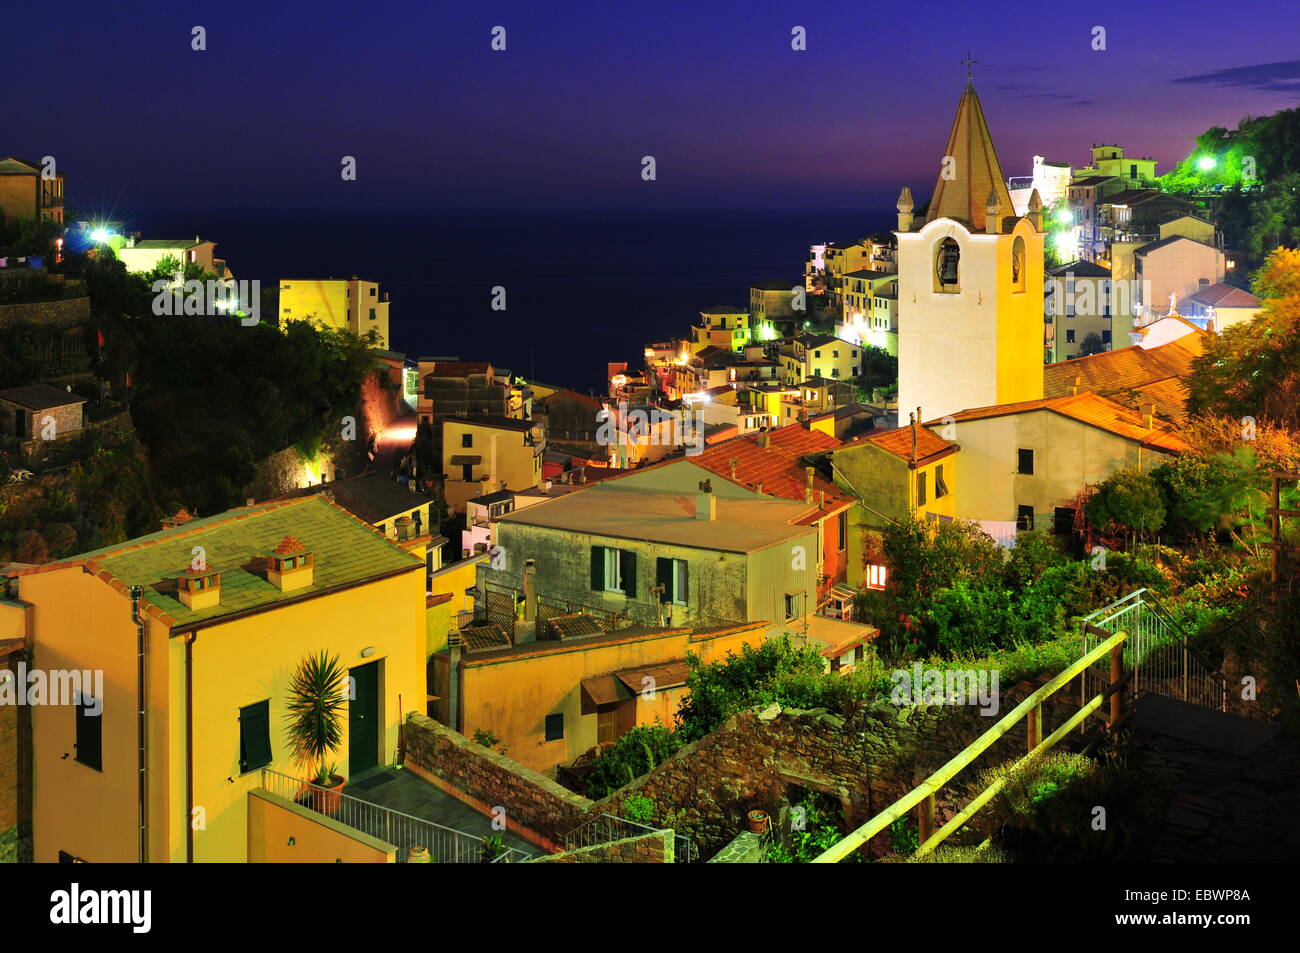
(348, 304)
(228, 608)
(870, 313)
(488, 453)
(550, 701)
(728, 328)
(897, 475)
(1109, 160)
(26, 193)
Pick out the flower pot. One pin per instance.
(328, 798)
(419, 855)
(758, 821)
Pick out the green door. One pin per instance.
(363, 719)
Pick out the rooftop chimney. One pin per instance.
(290, 566)
(526, 628)
(402, 526)
(198, 589)
(706, 504)
(733, 463)
(916, 421)
(1148, 412)
(764, 438)
(180, 518)
(808, 484)
(1074, 390)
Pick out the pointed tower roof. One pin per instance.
(978, 174)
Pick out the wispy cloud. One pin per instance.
(1283, 77)
(1023, 91)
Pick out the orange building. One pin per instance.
(550, 700)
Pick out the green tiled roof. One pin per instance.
(346, 552)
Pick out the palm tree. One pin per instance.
(317, 696)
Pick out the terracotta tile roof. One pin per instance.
(899, 442)
(1091, 409)
(1225, 296)
(484, 638)
(779, 467)
(561, 396)
(1117, 373)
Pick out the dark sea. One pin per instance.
(583, 288)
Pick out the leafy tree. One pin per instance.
(1206, 492)
(1129, 499)
(717, 690)
(924, 559)
(642, 749)
(1034, 553)
(1253, 368)
(879, 369)
(1091, 344)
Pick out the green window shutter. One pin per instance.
(683, 571)
(627, 567)
(254, 736)
(664, 577)
(90, 734)
(598, 568)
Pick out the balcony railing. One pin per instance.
(404, 831)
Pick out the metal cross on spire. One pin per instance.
(968, 63)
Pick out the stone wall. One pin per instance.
(758, 760)
(63, 312)
(535, 807)
(652, 848)
(746, 848)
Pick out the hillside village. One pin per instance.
(665, 622)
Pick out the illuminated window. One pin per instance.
(876, 575)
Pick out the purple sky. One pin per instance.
(139, 122)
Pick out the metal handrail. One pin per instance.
(925, 793)
(604, 828)
(404, 831)
(1146, 642)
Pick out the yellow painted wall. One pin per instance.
(274, 821)
(81, 622)
(454, 579)
(504, 458)
(1020, 318)
(512, 697)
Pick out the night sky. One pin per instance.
(139, 122)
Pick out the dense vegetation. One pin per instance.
(1256, 169)
(208, 398)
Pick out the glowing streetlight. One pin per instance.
(1205, 163)
(101, 235)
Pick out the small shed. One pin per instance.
(27, 412)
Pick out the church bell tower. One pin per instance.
(970, 283)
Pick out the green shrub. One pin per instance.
(638, 808)
(640, 750)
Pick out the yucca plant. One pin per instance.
(317, 696)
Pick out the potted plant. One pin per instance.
(419, 855)
(317, 696)
(758, 821)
